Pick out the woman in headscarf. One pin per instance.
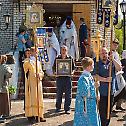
(5, 74)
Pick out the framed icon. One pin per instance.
(40, 42)
(34, 17)
(107, 3)
(63, 67)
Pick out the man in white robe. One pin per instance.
(53, 49)
(68, 37)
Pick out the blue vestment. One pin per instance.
(85, 105)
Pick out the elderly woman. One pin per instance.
(120, 94)
(5, 74)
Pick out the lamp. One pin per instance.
(6, 19)
(123, 6)
(0, 6)
(123, 10)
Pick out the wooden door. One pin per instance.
(82, 11)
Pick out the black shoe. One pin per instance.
(57, 110)
(31, 119)
(67, 112)
(6, 117)
(120, 108)
(41, 119)
(2, 120)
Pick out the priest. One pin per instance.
(68, 37)
(53, 49)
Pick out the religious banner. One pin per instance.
(107, 3)
(42, 43)
(99, 12)
(107, 17)
(115, 21)
(43, 55)
(107, 6)
(41, 36)
(34, 16)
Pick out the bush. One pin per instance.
(12, 89)
(119, 36)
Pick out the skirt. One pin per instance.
(4, 104)
(121, 95)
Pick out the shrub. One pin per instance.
(12, 89)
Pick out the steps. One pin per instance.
(49, 84)
(20, 85)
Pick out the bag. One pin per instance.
(120, 82)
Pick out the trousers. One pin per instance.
(64, 85)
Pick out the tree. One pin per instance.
(119, 36)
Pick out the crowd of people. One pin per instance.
(91, 107)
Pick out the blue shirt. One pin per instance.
(21, 45)
(103, 70)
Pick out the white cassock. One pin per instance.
(53, 50)
(68, 37)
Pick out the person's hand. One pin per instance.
(109, 79)
(85, 42)
(111, 58)
(98, 99)
(38, 76)
(97, 84)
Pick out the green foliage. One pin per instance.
(119, 36)
(12, 89)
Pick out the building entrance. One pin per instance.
(55, 15)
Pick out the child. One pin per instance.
(85, 106)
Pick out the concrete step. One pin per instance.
(53, 83)
(76, 77)
(49, 83)
(53, 89)
(53, 95)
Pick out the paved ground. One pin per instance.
(53, 119)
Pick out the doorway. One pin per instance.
(55, 15)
